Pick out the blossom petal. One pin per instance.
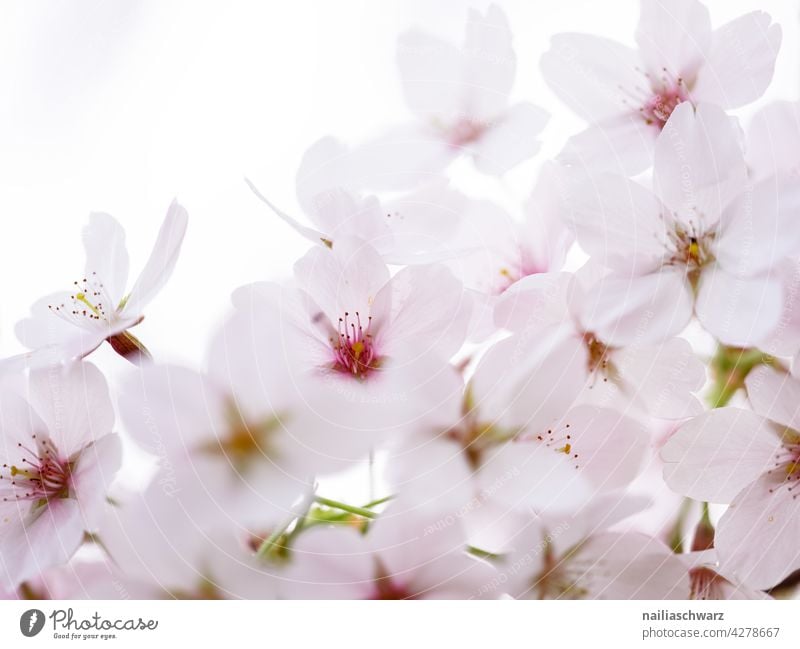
(675, 36)
(618, 222)
(621, 144)
(741, 62)
(773, 140)
(738, 311)
(699, 165)
(106, 254)
(510, 139)
(757, 536)
(775, 395)
(162, 259)
(94, 472)
(587, 73)
(715, 455)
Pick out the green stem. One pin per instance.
(676, 535)
(359, 511)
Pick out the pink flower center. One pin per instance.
(559, 440)
(465, 131)
(38, 475)
(656, 101)
(354, 348)
(786, 466)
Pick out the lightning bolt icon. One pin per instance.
(32, 620)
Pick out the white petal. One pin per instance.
(345, 279)
(663, 377)
(741, 61)
(715, 455)
(106, 254)
(534, 302)
(510, 139)
(490, 63)
(94, 472)
(621, 144)
(675, 36)
(430, 71)
(757, 536)
(775, 395)
(738, 311)
(74, 402)
(699, 166)
(618, 222)
(162, 260)
(760, 228)
(638, 310)
(773, 140)
(587, 73)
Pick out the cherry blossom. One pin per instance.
(706, 241)
(627, 96)
(59, 457)
(461, 99)
(72, 324)
(748, 459)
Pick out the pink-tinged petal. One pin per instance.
(106, 254)
(674, 35)
(330, 563)
(607, 448)
(630, 566)
(431, 74)
(534, 302)
(95, 470)
(47, 540)
(510, 138)
(162, 260)
(18, 423)
(759, 229)
(74, 402)
(490, 63)
(757, 536)
(784, 339)
(509, 385)
(740, 64)
(303, 230)
(171, 411)
(623, 311)
(403, 158)
(715, 455)
(429, 313)
(775, 395)
(773, 140)
(662, 378)
(423, 223)
(344, 279)
(738, 311)
(74, 337)
(525, 477)
(621, 144)
(699, 165)
(587, 73)
(325, 166)
(618, 222)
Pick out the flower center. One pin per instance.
(465, 131)
(690, 247)
(354, 348)
(39, 474)
(559, 440)
(244, 441)
(90, 302)
(786, 465)
(666, 93)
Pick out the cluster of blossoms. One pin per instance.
(527, 398)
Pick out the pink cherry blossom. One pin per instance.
(705, 241)
(461, 99)
(627, 96)
(59, 457)
(71, 324)
(748, 459)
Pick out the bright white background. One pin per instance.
(119, 106)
